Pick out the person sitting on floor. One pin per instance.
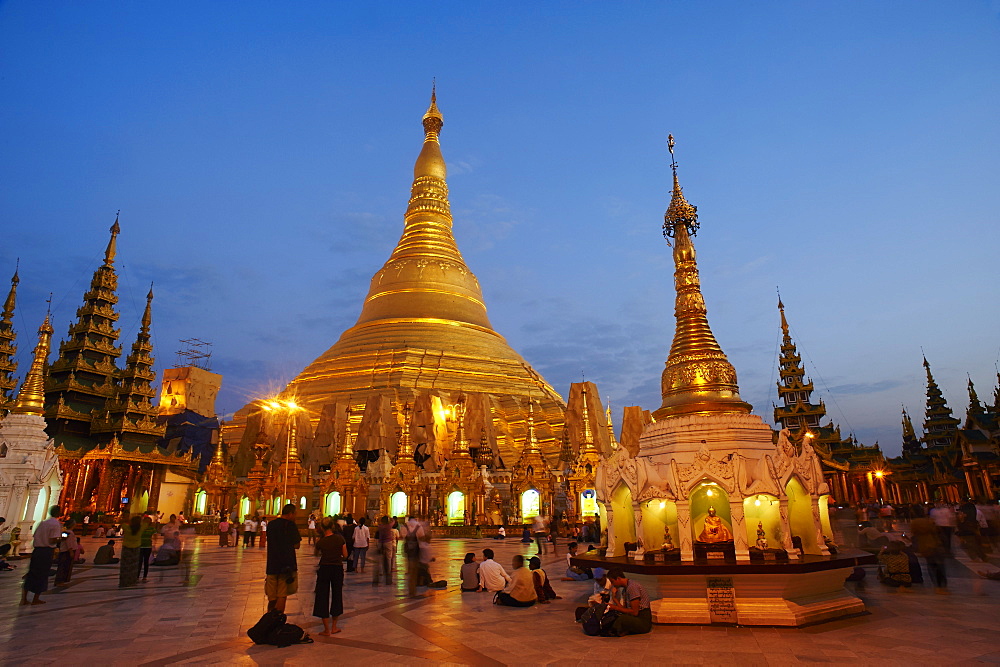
(492, 576)
(106, 555)
(526, 537)
(520, 592)
(894, 566)
(101, 531)
(574, 573)
(634, 615)
(543, 589)
(469, 574)
(501, 534)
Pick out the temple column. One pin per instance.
(786, 530)
(987, 484)
(739, 530)
(684, 529)
(970, 484)
(104, 489)
(637, 513)
(27, 522)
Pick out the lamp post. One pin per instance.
(289, 407)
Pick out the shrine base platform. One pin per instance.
(798, 592)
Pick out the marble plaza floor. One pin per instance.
(199, 614)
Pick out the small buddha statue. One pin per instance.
(761, 537)
(668, 543)
(714, 530)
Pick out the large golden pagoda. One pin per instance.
(423, 328)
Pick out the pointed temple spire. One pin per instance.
(975, 407)
(426, 275)
(405, 449)
(8, 346)
(611, 427)
(907, 426)
(797, 412)
(112, 249)
(698, 377)
(82, 380)
(940, 427)
(31, 397)
(460, 448)
(588, 444)
(531, 441)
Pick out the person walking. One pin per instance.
(281, 572)
(332, 550)
(362, 536)
(311, 527)
(348, 530)
(145, 547)
(384, 542)
(128, 569)
(249, 532)
(927, 543)
(262, 530)
(411, 549)
(44, 542)
(224, 533)
(68, 547)
(540, 532)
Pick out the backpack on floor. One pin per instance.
(266, 626)
(288, 634)
(597, 620)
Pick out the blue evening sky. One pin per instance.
(261, 155)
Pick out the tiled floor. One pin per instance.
(199, 614)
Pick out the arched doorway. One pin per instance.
(531, 504)
(622, 522)
(800, 518)
(456, 508)
(709, 496)
(200, 501)
(763, 509)
(332, 505)
(659, 514)
(398, 504)
(244, 508)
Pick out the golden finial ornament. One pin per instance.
(31, 397)
(588, 436)
(147, 315)
(112, 249)
(9, 304)
(698, 377)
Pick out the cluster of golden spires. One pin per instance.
(698, 377)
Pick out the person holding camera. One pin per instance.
(282, 578)
(68, 547)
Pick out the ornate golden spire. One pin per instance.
(31, 397)
(426, 276)
(531, 442)
(8, 345)
(784, 322)
(348, 451)
(698, 377)
(405, 450)
(460, 449)
(588, 434)
(112, 249)
(611, 427)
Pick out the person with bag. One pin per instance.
(634, 614)
(281, 572)
(329, 602)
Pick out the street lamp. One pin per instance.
(288, 407)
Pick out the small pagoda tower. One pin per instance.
(8, 346)
(531, 479)
(582, 480)
(457, 484)
(29, 468)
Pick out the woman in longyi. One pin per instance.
(715, 530)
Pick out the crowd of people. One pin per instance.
(56, 542)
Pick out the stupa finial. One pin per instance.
(112, 249)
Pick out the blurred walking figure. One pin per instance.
(249, 531)
(44, 541)
(943, 517)
(145, 547)
(68, 546)
(927, 543)
(332, 550)
(362, 536)
(384, 543)
(411, 549)
(539, 529)
(128, 570)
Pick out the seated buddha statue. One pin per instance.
(761, 537)
(715, 530)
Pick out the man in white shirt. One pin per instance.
(492, 576)
(45, 539)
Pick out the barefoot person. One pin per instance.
(46, 537)
(282, 571)
(332, 550)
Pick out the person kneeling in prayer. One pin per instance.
(106, 555)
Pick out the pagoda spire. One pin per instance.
(132, 413)
(31, 397)
(426, 276)
(82, 381)
(8, 346)
(698, 377)
(940, 427)
(460, 448)
(588, 445)
(611, 427)
(405, 450)
(975, 407)
(908, 431)
(531, 441)
(112, 249)
(797, 413)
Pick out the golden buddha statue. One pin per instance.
(714, 530)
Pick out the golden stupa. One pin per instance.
(423, 328)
